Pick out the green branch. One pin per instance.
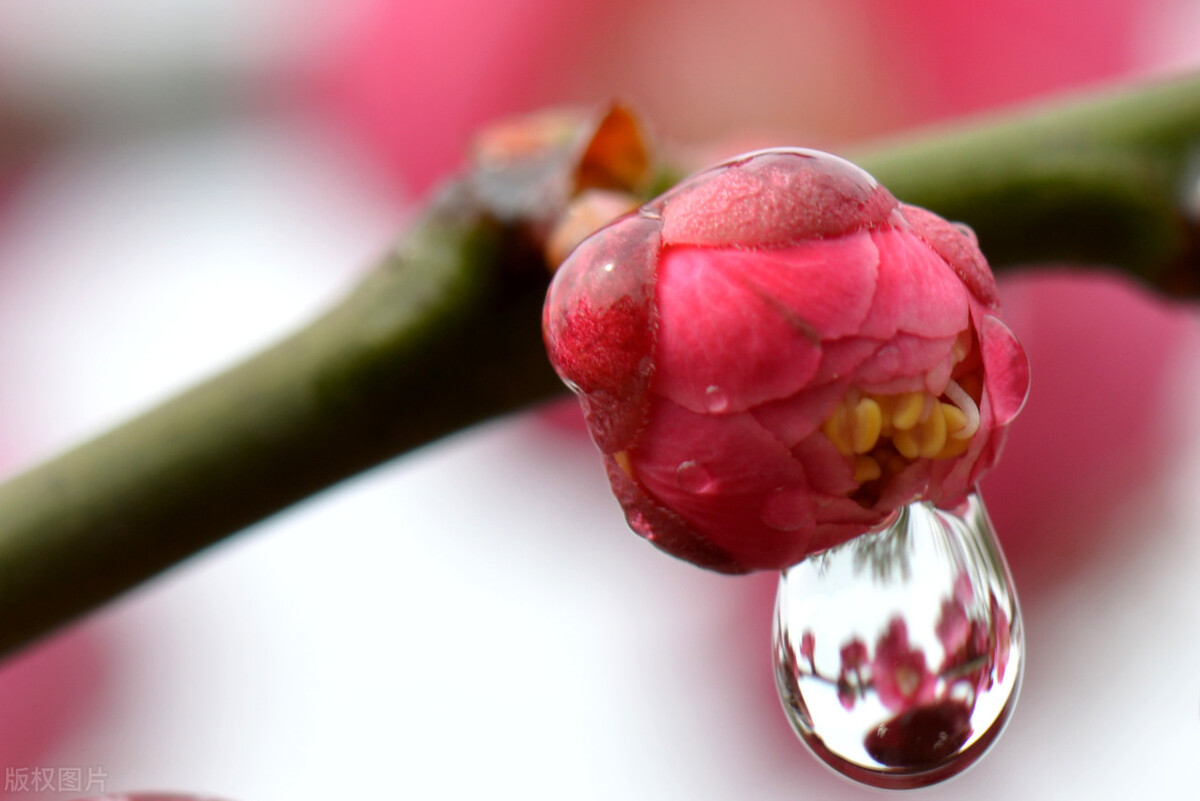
(444, 333)
(1098, 181)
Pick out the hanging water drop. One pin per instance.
(716, 399)
(898, 655)
(693, 476)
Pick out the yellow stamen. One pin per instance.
(866, 469)
(906, 412)
(836, 429)
(933, 432)
(622, 460)
(956, 419)
(906, 443)
(882, 435)
(885, 404)
(868, 422)
(954, 446)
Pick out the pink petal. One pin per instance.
(828, 471)
(957, 245)
(774, 200)
(834, 515)
(665, 529)
(827, 284)
(598, 327)
(792, 419)
(840, 357)
(717, 473)
(906, 486)
(917, 292)
(901, 364)
(739, 456)
(723, 347)
(1006, 369)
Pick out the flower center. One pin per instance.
(886, 433)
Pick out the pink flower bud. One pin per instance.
(776, 355)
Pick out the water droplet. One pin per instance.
(693, 476)
(898, 655)
(716, 399)
(967, 231)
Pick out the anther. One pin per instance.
(933, 433)
(868, 422)
(837, 428)
(866, 469)
(906, 412)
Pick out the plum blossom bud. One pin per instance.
(776, 355)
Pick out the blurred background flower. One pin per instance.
(180, 183)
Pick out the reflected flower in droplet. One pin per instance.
(851, 683)
(914, 637)
(900, 675)
(923, 735)
(808, 645)
(954, 627)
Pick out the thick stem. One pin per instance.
(445, 333)
(1101, 180)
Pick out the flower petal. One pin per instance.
(598, 323)
(773, 200)
(827, 284)
(902, 363)
(840, 357)
(723, 347)
(792, 419)
(956, 244)
(917, 292)
(828, 471)
(1006, 368)
(717, 473)
(663, 528)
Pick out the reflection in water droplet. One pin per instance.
(898, 655)
(716, 400)
(693, 477)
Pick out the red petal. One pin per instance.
(917, 292)
(901, 364)
(598, 326)
(723, 347)
(665, 529)
(717, 474)
(828, 471)
(774, 200)
(957, 245)
(826, 284)
(1006, 370)
(840, 357)
(792, 419)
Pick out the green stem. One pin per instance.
(445, 333)
(442, 334)
(1099, 180)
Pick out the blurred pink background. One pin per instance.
(180, 184)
